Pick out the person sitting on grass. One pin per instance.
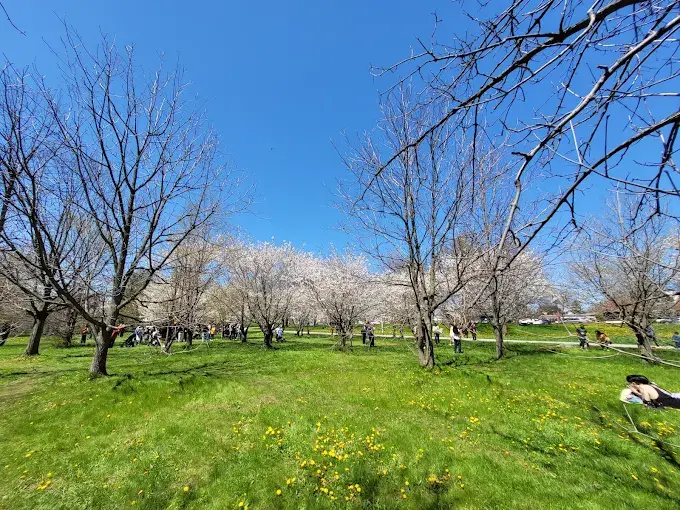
(602, 339)
(641, 390)
(582, 337)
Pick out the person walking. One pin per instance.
(437, 333)
(455, 339)
(473, 330)
(652, 335)
(139, 332)
(370, 335)
(582, 337)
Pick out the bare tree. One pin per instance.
(27, 156)
(581, 89)
(631, 261)
(410, 211)
(9, 19)
(146, 174)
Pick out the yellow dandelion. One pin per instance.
(278, 492)
(186, 488)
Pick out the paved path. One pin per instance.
(558, 343)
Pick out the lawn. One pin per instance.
(559, 332)
(305, 426)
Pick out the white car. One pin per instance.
(531, 322)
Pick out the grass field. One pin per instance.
(559, 332)
(305, 426)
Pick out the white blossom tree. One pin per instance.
(344, 289)
(266, 277)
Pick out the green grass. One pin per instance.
(234, 423)
(558, 332)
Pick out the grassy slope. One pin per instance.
(234, 423)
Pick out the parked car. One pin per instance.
(531, 322)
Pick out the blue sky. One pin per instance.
(280, 79)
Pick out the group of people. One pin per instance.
(154, 335)
(456, 334)
(603, 340)
(233, 331)
(368, 334)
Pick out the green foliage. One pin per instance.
(234, 423)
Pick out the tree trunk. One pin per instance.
(72, 318)
(498, 333)
(39, 319)
(101, 351)
(645, 345)
(425, 344)
(268, 335)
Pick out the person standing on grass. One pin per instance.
(652, 335)
(139, 332)
(363, 334)
(370, 335)
(473, 329)
(437, 333)
(83, 335)
(582, 337)
(455, 339)
(676, 340)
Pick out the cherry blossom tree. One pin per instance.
(344, 289)
(266, 276)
